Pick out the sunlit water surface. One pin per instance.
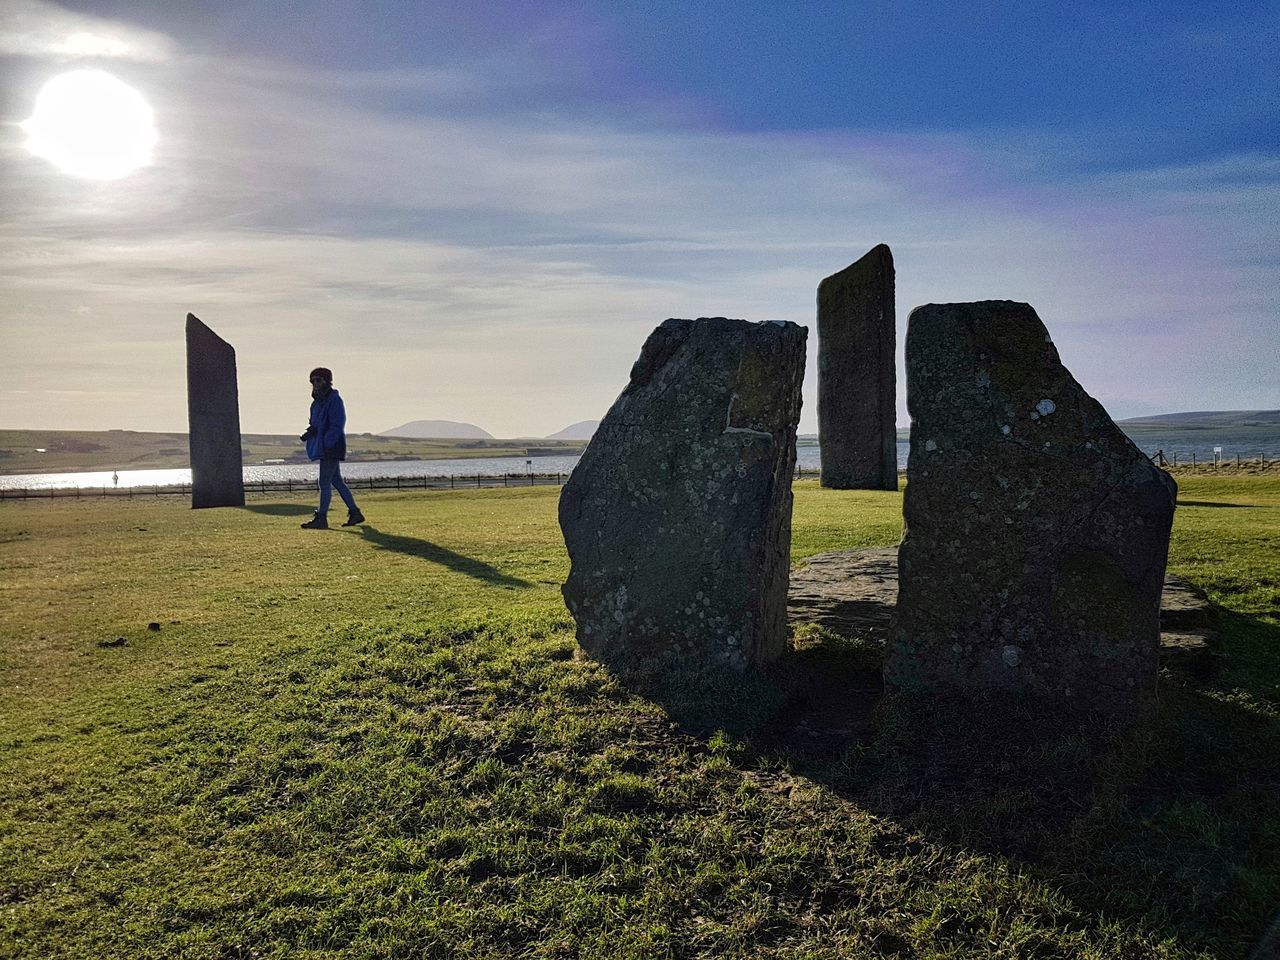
(1247, 443)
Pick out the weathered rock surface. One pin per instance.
(1036, 532)
(849, 592)
(213, 416)
(857, 401)
(853, 592)
(677, 518)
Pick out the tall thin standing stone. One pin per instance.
(678, 516)
(213, 417)
(1036, 532)
(857, 402)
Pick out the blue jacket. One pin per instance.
(326, 439)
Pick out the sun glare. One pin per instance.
(90, 124)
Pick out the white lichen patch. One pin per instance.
(930, 446)
(1046, 407)
(1005, 429)
(1011, 655)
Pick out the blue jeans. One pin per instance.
(330, 479)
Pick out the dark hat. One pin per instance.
(324, 372)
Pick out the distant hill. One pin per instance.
(447, 429)
(582, 430)
(1207, 419)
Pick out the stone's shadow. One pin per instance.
(816, 701)
(1214, 503)
(426, 550)
(831, 686)
(1168, 824)
(700, 700)
(279, 509)
(1122, 821)
(1126, 820)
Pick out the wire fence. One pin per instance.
(1214, 461)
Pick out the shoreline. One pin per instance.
(1245, 467)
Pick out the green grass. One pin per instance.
(383, 744)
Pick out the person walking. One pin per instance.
(327, 442)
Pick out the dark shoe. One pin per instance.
(318, 522)
(355, 517)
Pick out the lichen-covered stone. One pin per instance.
(1036, 532)
(677, 517)
(857, 384)
(213, 417)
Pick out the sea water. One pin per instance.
(1248, 443)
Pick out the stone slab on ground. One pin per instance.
(852, 593)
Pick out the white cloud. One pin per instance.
(504, 269)
(35, 28)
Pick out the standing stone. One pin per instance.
(1036, 532)
(213, 417)
(678, 516)
(857, 388)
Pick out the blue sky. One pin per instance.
(478, 212)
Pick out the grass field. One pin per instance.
(222, 736)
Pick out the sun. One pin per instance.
(91, 124)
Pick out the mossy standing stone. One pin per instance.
(857, 383)
(213, 418)
(677, 517)
(1036, 532)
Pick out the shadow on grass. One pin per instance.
(1214, 503)
(426, 550)
(279, 509)
(1175, 825)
